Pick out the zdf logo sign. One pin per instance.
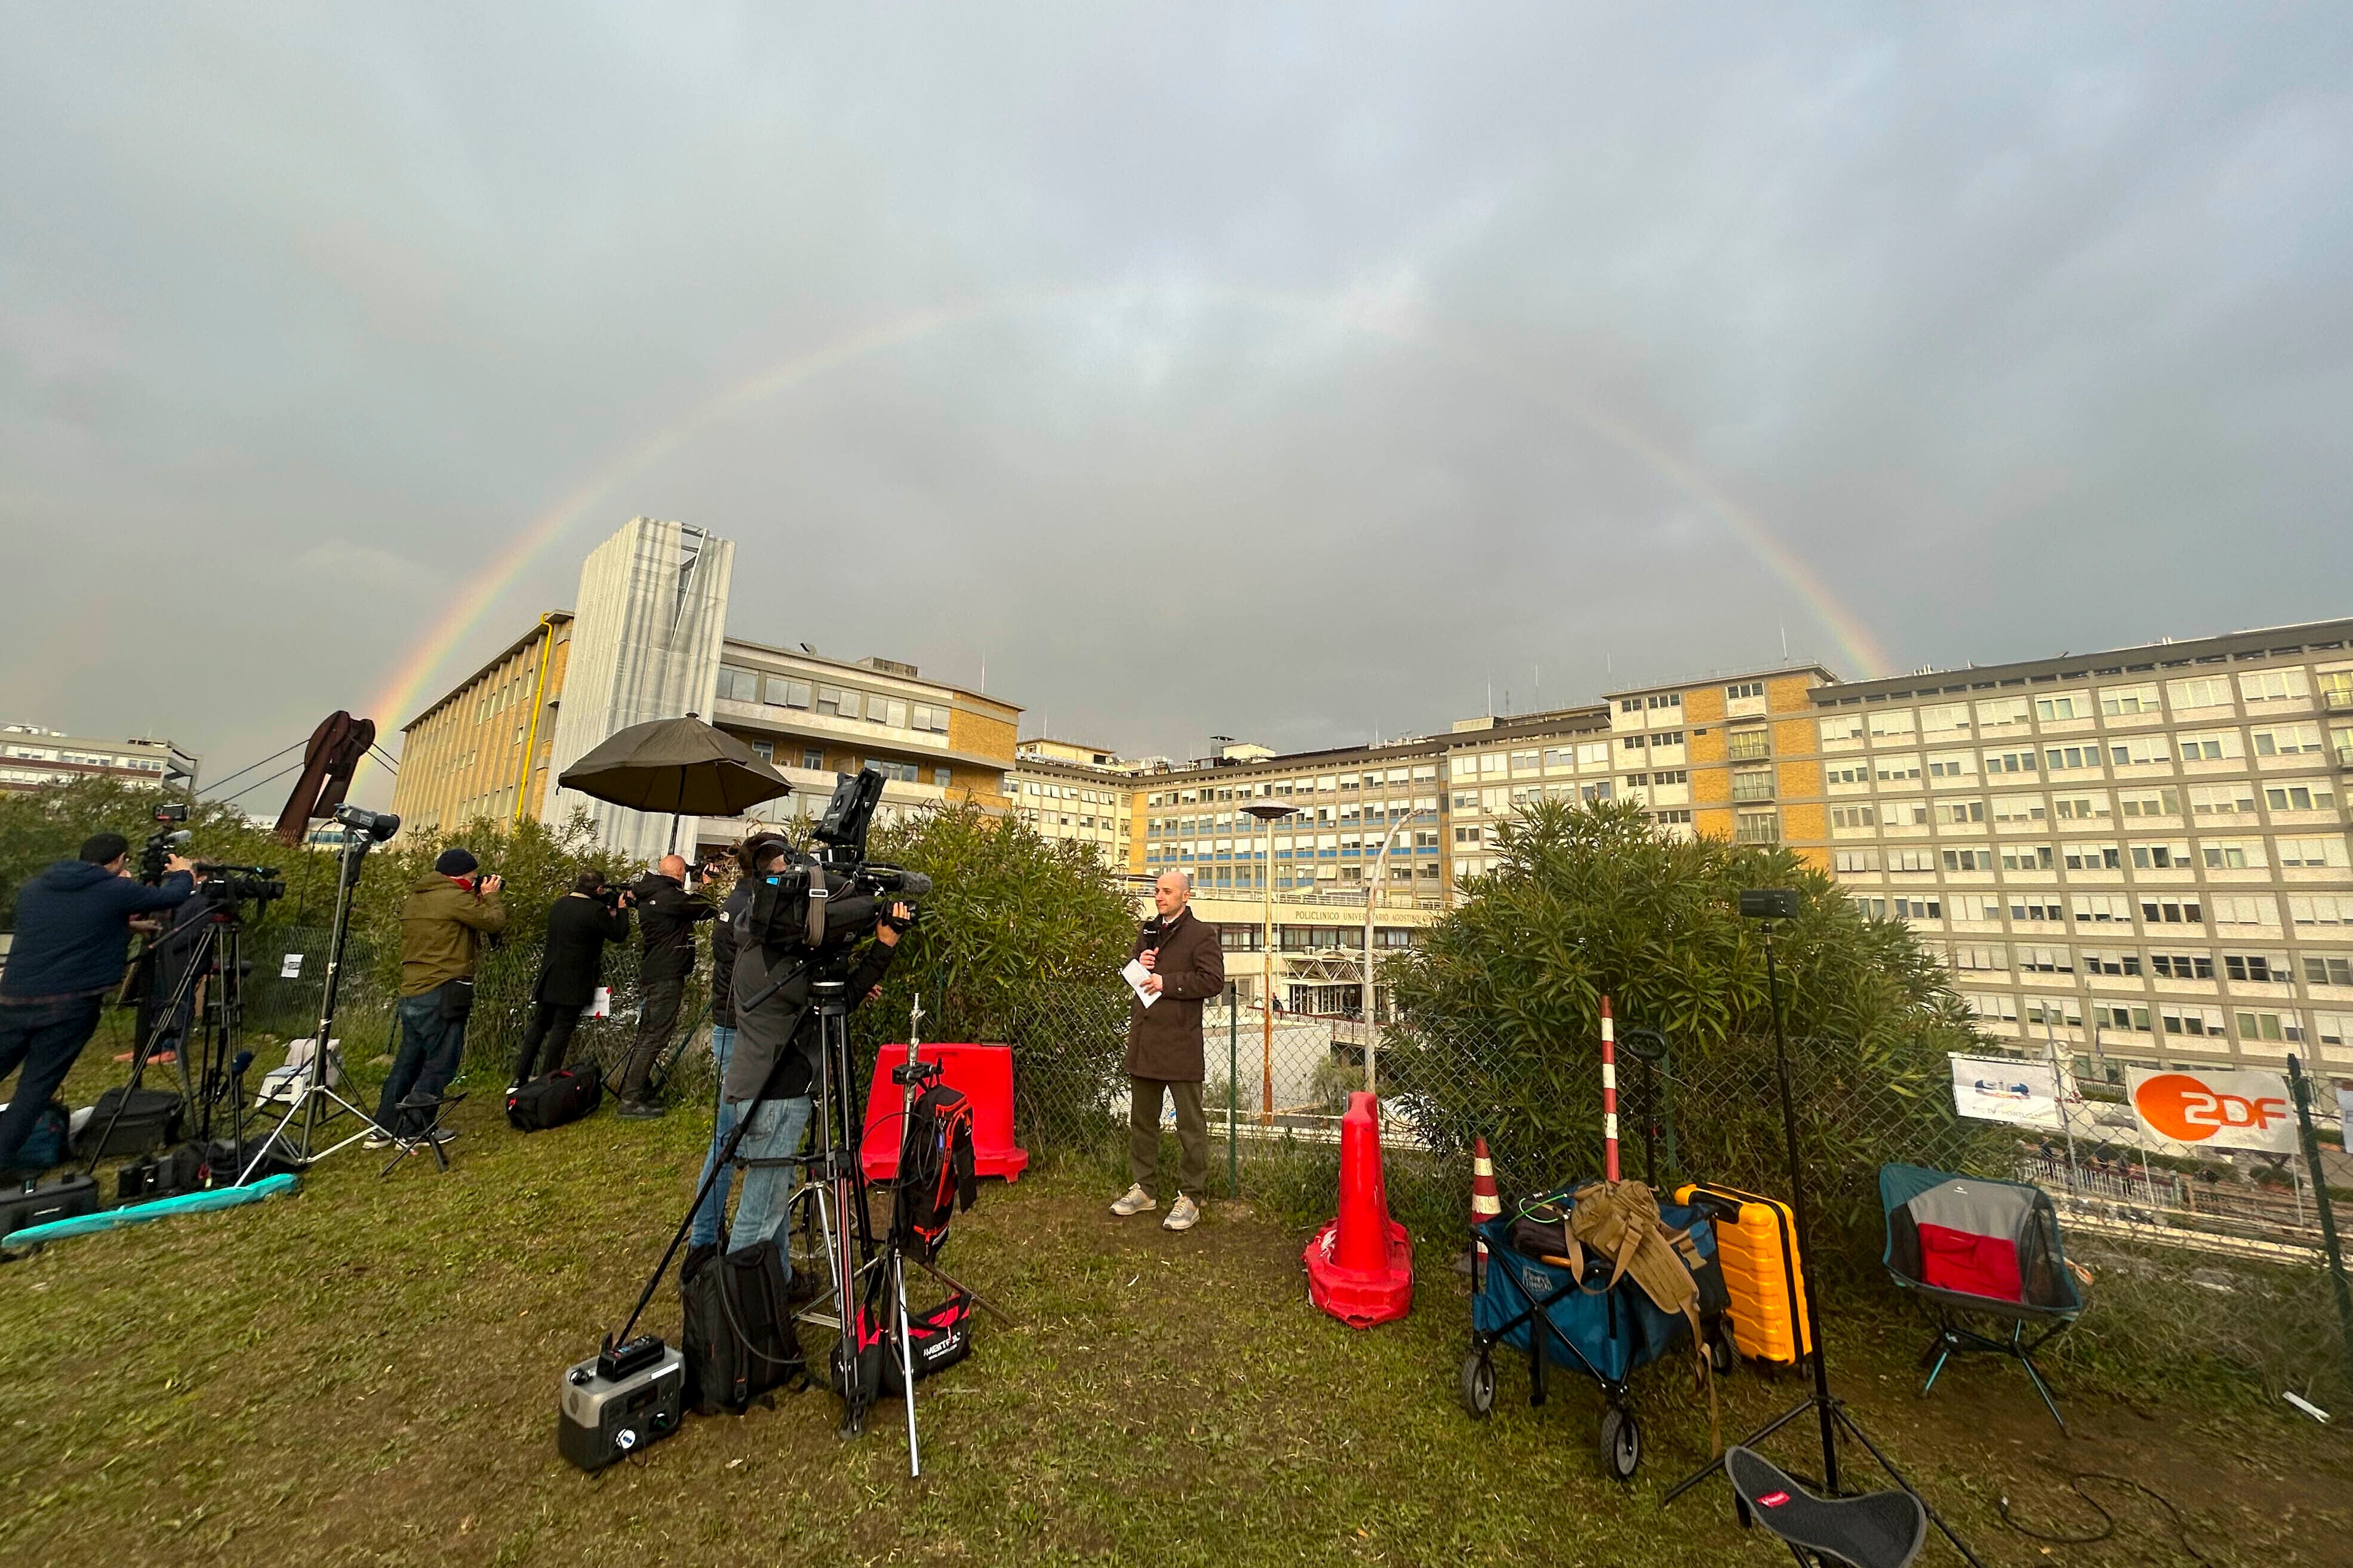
(2230, 1109)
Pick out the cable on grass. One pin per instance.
(2107, 1530)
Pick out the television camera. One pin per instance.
(834, 894)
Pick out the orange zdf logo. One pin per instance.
(2189, 1110)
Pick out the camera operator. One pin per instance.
(769, 1068)
(73, 934)
(443, 922)
(667, 915)
(571, 966)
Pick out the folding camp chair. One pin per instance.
(1975, 1248)
(1879, 1530)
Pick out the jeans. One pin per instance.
(552, 1024)
(431, 1049)
(777, 1127)
(1143, 1136)
(657, 1016)
(44, 1038)
(714, 1207)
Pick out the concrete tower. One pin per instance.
(652, 614)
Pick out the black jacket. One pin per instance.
(777, 1042)
(73, 935)
(723, 970)
(666, 917)
(578, 930)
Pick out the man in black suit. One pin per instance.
(578, 927)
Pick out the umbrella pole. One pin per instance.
(674, 833)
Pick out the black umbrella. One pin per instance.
(682, 766)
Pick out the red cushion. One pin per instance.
(1974, 1264)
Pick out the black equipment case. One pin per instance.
(149, 1119)
(38, 1203)
(567, 1094)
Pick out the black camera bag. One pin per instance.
(739, 1339)
(936, 1340)
(180, 1170)
(551, 1099)
(150, 1119)
(30, 1204)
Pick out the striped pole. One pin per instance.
(1608, 1095)
(1486, 1203)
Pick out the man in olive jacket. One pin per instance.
(1164, 1051)
(443, 923)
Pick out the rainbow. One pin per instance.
(466, 609)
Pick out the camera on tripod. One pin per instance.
(155, 854)
(838, 895)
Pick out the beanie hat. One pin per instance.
(456, 863)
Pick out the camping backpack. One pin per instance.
(935, 1172)
(739, 1339)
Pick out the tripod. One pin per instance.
(1831, 1412)
(317, 1101)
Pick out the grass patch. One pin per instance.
(367, 1373)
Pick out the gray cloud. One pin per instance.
(1289, 364)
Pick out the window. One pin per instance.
(2061, 1011)
(942, 777)
(2018, 808)
(2199, 692)
(2268, 1026)
(1467, 835)
(1952, 764)
(2334, 1027)
(2287, 741)
(1671, 816)
(2093, 858)
(1856, 860)
(2102, 909)
(2124, 702)
(1978, 956)
(2321, 910)
(1853, 773)
(2312, 852)
(2000, 713)
(1599, 790)
(2059, 758)
(835, 702)
(2046, 960)
(1846, 727)
(2191, 1020)
(1667, 738)
(1903, 813)
(2150, 803)
(2237, 799)
(813, 759)
(1744, 688)
(2256, 968)
(782, 692)
(2210, 746)
(1992, 1008)
(2080, 807)
(2069, 705)
(1955, 812)
(2232, 854)
(738, 684)
(1593, 754)
(1892, 723)
(1912, 860)
(1918, 909)
(930, 717)
(2111, 962)
(2297, 797)
(2043, 908)
(764, 750)
(1757, 827)
(2161, 856)
(2273, 685)
(1945, 717)
(2329, 971)
(2026, 858)
(1853, 817)
(2257, 913)
(1896, 769)
(2010, 761)
(1969, 859)
(1752, 783)
(2172, 912)
(1635, 743)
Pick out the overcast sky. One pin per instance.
(1293, 374)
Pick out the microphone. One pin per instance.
(239, 1063)
(1153, 930)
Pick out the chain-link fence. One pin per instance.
(2202, 1270)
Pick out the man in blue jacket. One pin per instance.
(73, 932)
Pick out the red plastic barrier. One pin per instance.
(983, 1074)
(1360, 1267)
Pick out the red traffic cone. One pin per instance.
(1486, 1203)
(1360, 1267)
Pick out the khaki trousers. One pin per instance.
(1143, 1136)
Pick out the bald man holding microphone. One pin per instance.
(1175, 965)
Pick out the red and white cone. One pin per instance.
(1486, 1203)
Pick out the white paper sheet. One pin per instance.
(1134, 975)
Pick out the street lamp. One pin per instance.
(1267, 814)
(1372, 892)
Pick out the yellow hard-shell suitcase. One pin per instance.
(1757, 1247)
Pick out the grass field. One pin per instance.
(367, 1373)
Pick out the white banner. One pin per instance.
(1996, 1088)
(2241, 1110)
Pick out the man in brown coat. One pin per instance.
(1164, 1051)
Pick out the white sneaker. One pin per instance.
(377, 1140)
(1183, 1214)
(1136, 1200)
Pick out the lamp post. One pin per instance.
(1267, 814)
(1372, 893)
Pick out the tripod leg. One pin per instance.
(906, 1359)
(1854, 1429)
(1802, 1407)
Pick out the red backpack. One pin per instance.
(935, 1172)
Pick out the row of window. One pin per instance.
(2190, 695)
(2245, 968)
(1320, 784)
(2137, 751)
(2224, 854)
(813, 759)
(751, 686)
(2191, 1020)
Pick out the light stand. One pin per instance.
(1781, 904)
(362, 831)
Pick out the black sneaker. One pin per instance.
(641, 1109)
